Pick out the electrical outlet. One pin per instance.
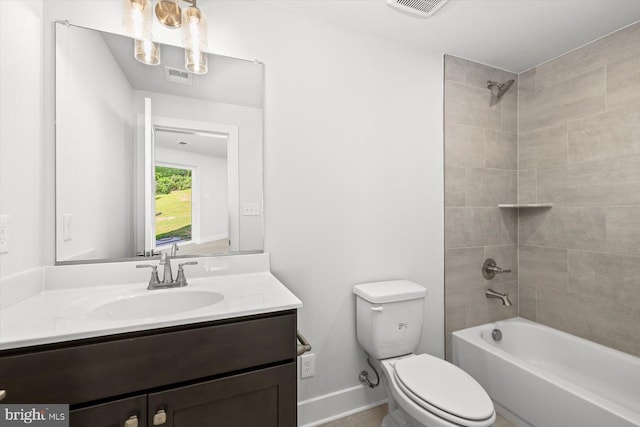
(4, 234)
(307, 365)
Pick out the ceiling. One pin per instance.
(210, 145)
(229, 80)
(514, 35)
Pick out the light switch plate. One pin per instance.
(251, 209)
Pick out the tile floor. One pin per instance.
(373, 418)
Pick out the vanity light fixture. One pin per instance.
(137, 21)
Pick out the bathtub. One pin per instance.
(539, 376)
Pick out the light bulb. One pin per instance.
(137, 19)
(194, 27)
(196, 61)
(147, 52)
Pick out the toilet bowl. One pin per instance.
(423, 390)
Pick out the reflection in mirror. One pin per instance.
(148, 156)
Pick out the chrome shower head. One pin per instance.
(502, 87)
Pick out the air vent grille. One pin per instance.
(175, 75)
(421, 8)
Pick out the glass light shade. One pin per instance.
(194, 29)
(196, 61)
(137, 18)
(147, 52)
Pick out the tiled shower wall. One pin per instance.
(480, 173)
(579, 148)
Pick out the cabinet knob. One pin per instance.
(132, 421)
(159, 418)
(3, 394)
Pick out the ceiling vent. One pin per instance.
(419, 8)
(175, 75)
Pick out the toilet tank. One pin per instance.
(389, 317)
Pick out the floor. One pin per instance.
(216, 247)
(373, 418)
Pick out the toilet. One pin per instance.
(423, 390)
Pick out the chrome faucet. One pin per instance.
(490, 293)
(167, 279)
(165, 260)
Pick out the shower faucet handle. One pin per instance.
(490, 269)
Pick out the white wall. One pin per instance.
(249, 123)
(21, 133)
(94, 106)
(210, 181)
(353, 166)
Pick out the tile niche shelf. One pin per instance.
(526, 205)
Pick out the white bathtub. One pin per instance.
(546, 378)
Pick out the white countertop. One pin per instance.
(53, 315)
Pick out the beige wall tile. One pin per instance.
(542, 267)
(468, 105)
(609, 276)
(506, 257)
(465, 227)
(501, 149)
(623, 83)
(528, 186)
(578, 97)
(462, 268)
(602, 182)
(623, 229)
(509, 218)
(455, 69)
(454, 185)
(509, 105)
(615, 47)
(574, 227)
(490, 187)
(603, 321)
(464, 145)
(542, 147)
(527, 81)
(603, 136)
(527, 302)
(478, 74)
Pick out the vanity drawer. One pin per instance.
(86, 372)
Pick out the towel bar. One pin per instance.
(304, 345)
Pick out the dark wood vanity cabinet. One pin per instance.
(239, 372)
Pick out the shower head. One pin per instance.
(502, 87)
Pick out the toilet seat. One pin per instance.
(443, 389)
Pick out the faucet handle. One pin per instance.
(181, 280)
(154, 280)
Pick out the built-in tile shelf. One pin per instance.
(527, 205)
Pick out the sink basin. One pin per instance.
(153, 304)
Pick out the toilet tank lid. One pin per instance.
(389, 291)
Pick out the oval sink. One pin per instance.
(153, 304)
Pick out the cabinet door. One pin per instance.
(131, 412)
(263, 398)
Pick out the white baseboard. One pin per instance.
(339, 404)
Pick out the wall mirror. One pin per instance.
(148, 156)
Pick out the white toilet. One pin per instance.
(423, 390)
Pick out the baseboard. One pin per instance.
(339, 404)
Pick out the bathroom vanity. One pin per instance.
(232, 363)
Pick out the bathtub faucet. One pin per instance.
(504, 297)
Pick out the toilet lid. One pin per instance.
(444, 386)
